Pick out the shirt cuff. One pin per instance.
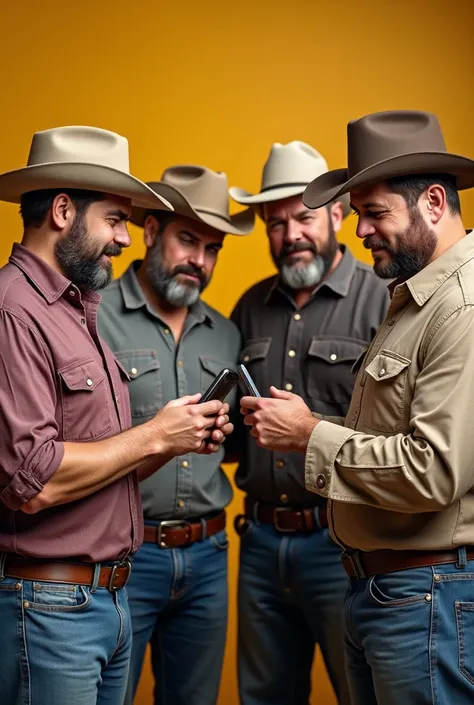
(28, 482)
(323, 447)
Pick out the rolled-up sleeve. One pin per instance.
(30, 452)
(426, 470)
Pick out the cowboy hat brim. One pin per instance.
(277, 194)
(239, 224)
(78, 175)
(333, 184)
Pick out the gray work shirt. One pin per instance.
(308, 351)
(160, 370)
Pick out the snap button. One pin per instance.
(382, 372)
(89, 382)
(180, 503)
(280, 464)
(333, 356)
(291, 353)
(246, 358)
(185, 464)
(133, 371)
(288, 387)
(284, 498)
(428, 597)
(321, 481)
(297, 316)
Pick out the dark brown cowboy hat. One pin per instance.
(383, 145)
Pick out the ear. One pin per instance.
(435, 202)
(63, 212)
(150, 230)
(336, 215)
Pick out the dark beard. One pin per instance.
(79, 259)
(164, 283)
(415, 247)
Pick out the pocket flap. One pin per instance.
(122, 370)
(214, 366)
(387, 364)
(83, 376)
(256, 349)
(137, 362)
(335, 351)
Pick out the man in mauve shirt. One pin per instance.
(70, 513)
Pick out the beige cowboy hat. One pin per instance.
(200, 194)
(287, 172)
(388, 144)
(79, 157)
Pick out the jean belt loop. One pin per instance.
(95, 579)
(316, 517)
(203, 529)
(3, 558)
(255, 513)
(462, 557)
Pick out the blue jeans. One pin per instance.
(178, 603)
(291, 597)
(410, 637)
(62, 644)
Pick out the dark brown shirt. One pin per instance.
(58, 382)
(308, 351)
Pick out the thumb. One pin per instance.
(280, 394)
(185, 401)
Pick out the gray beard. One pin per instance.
(165, 285)
(303, 276)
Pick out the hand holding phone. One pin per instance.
(221, 386)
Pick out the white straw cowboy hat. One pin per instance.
(287, 172)
(79, 157)
(387, 144)
(200, 194)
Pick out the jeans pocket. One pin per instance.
(58, 597)
(394, 595)
(220, 540)
(465, 628)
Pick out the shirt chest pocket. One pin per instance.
(329, 376)
(86, 401)
(254, 356)
(210, 368)
(145, 386)
(383, 407)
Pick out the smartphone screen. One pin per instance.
(221, 386)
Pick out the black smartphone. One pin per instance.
(248, 381)
(221, 386)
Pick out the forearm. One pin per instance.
(88, 467)
(338, 420)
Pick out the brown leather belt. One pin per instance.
(176, 532)
(360, 564)
(286, 519)
(111, 577)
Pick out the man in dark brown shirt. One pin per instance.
(70, 512)
(302, 331)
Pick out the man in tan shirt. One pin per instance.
(398, 470)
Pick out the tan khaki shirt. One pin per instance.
(398, 471)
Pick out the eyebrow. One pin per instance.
(119, 214)
(367, 206)
(196, 238)
(276, 218)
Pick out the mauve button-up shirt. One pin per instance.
(59, 382)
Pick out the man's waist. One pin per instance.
(180, 532)
(365, 564)
(288, 519)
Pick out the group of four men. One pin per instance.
(382, 458)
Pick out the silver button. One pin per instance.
(89, 382)
(246, 358)
(72, 293)
(288, 387)
(133, 371)
(321, 481)
(291, 353)
(333, 356)
(297, 316)
(382, 372)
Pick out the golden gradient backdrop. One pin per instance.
(216, 83)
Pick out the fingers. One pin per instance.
(222, 421)
(209, 408)
(251, 403)
(185, 401)
(225, 409)
(280, 393)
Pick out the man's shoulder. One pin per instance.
(257, 292)
(17, 295)
(112, 294)
(221, 322)
(365, 275)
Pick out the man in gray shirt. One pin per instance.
(171, 343)
(302, 331)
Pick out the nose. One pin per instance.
(198, 257)
(121, 235)
(364, 228)
(293, 232)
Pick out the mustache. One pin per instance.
(297, 247)
(371, 243)
(112, 250)
(191, 270)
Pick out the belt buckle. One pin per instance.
(276, 513)
(167, 523)
(356, 563)
(124, 564)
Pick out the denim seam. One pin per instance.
(460, 608)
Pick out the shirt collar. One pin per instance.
(50, 283)
(134, 298)
(339, 281)
(426, 282)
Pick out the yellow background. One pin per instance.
(216, 83)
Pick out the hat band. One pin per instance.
(287, 185)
